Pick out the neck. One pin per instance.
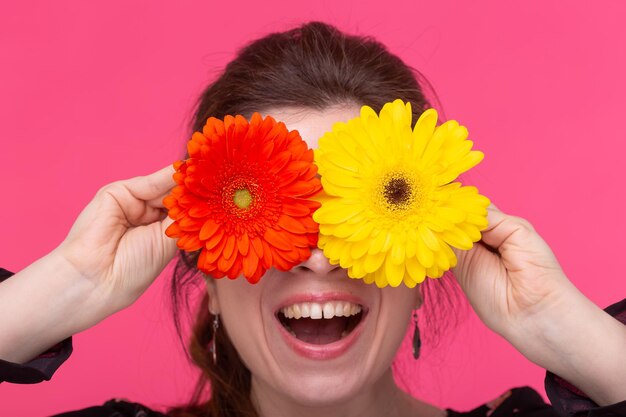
(383, 398)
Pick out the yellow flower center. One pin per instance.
(397, 191)
(399, 196)
(242, 198)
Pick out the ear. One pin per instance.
(211, 288)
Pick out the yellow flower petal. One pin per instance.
(457, 238)
(334, 213)
(423, 131)
(424, 255)
(363, 231)
(409, 282)
(393, 272)
(358, 249)
(442, 261)
(416, 270)
(451, 214)
(380, 243)
(372, 263)
(428, 237)
(397, 253)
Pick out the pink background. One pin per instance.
(91, 94)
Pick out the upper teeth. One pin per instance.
(328, 310)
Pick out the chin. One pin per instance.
(322, 390)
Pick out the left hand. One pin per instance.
(518, 289)
(511, 275)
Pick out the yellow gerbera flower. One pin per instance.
(391, 210)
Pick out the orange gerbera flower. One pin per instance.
(243, 197)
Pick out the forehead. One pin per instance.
(311, 123)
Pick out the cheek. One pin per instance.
(401, 298)
(397, 305)
(240, 314)
(239, 303)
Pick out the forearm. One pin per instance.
(582, 344)
(43, 304)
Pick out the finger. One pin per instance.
(153, 186)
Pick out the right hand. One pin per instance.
(118, 241)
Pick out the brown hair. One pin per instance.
(312, 66)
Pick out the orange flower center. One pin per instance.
(242, 199)
(248, 201)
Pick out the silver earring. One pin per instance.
(417, 341)
(213, 348)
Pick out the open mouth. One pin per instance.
(321, 323)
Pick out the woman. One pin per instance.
(261, 364)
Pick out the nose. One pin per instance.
(317, 264)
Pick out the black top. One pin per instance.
(567, 400)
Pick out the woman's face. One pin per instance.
(313, 360)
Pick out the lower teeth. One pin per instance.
(343, 334)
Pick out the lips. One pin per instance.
(321, 326)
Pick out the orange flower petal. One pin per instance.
(236, 269)
(257, 246)
(213, 254)
(229, 249)
(268, 256)
(214, 240)
(189, 243)
(173, 230)
(295, 209)
(277, 239)
(291, 225)
(280, 262)
(224, 264)
(243, 244)
(208, 229)
(250, 264)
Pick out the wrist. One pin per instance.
(42, 305)
(578, 341)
